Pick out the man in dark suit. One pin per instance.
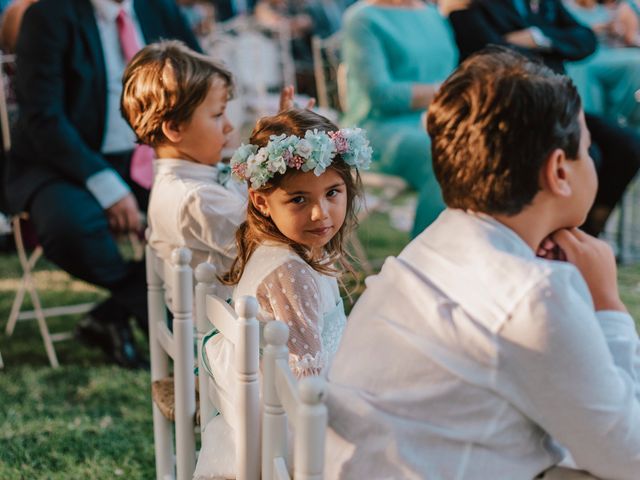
(544, 29)
(71, 153)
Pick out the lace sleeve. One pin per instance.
(290, 293)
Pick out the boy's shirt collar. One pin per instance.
(220, 173)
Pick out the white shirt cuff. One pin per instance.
(107, 187)
(541, 40)
(621, 336)
(616, 324)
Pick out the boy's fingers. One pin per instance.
(566, 240)
(580, 235)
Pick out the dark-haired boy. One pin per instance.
(545, 30)
(468, 356)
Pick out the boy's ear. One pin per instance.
(171, 131)
(555, 172)
(259, 201)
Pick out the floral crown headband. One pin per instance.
(314, 152)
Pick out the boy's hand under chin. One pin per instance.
(593, 258)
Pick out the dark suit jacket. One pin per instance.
(487, 21)
(61, 89)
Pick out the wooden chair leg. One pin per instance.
(163, 444)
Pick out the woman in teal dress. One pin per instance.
(609, 79)
(397, 52)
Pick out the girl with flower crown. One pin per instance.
(303, 187)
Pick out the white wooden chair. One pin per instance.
(329, 72)
(260, 59)
(287, 399)
(241, 328)
(171, 285)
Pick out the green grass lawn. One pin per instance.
(90, 420)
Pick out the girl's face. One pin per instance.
(307, 209)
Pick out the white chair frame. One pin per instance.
(175, 281)
(287, 399)
(241, 328)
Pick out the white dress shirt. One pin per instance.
(190, 208)
(467, 354)
(107, 186)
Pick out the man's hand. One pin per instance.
(286, 99)
(446, 7)
(521, 38)
(124, 216)
(597, 264)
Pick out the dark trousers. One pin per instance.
(617, 156)
(74, 232)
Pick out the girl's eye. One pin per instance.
(333, 193)
(297, 200)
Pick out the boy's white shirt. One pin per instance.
(189, 208)
(467, 353)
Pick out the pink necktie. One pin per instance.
(141, 169)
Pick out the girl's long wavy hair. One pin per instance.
(258, 228)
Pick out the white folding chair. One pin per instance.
(241, 328)
(284, 398)
(171, 285)
(28, 262)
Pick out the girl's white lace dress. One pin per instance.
(289, 290)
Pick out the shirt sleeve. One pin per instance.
(290, 294)
(107, 187)
(210, 217)
(574, 377)
(367, 62)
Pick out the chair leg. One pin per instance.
(27, 284)
(42, 324)
(27, 265)
(163, 444)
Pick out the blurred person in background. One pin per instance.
(200, 15)
(546, 30)
(397, 52)
(10, 25)
(609, 79)
(69, 166)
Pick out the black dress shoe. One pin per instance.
(116, 341)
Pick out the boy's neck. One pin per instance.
(533, 224)
(169, 151)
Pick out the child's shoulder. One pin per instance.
(276, 255)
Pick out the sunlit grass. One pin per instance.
(90, 420)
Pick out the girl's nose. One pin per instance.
(319, 211)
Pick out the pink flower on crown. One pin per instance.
(295, 162)
(341, 143)
(239, 169)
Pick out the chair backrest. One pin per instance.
(259, 57)
(170, 285)
(328, 71)
(241, 328)
(301, 402)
